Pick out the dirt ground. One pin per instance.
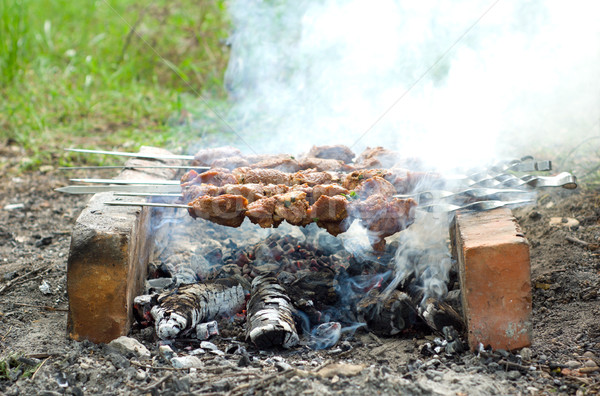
(35, 226)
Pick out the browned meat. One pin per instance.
(251, 191)
(230, 163)
(375, 185)
(282, 162)
(328, 189)
(261, 212)
(377, 157)
(385, 217)
(325, 164)
(405, 181)
(274, 189)
(311, 177)
(193, 191)
(216, 176)
(206, 157)
(266, 176)
(227, 209)
(336, 152)
(292, 207)
(329, 209)
(352, 180)
(335, 228)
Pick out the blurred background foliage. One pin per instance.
(114, 73)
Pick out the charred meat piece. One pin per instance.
(312, 177)
(282, 162)
(385, 217)
(377, 157)
(266, 176)
(354, 179)
(251, 191)
(292, 207)
(227, 209)
(375, 185)
(329, 209)
(406, 182)
(261, 212)
(324, 164)
(337, 152)
(230, 163)
(328, 189)
(206, 157)
(216, 176)
(193, 191)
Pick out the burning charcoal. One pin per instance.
(386, 314)
(325, 335)
(142, 305)
(206, 330)
(270, 322)
(179, 312)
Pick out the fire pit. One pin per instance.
(303, 285)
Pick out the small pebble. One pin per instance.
(572, 364)
(140, 375)
(590, 363)
(526, 354)
(513, 375)
(589, 355)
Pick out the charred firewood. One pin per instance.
(435, 313)
(269, 315)
(181, 310)
(386, 314)
(439, 314)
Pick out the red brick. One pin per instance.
(108, 261)
(494, 267)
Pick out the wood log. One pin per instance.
(178, 312)
(269, 315)
(386, 314)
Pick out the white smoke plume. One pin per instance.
(509, 76)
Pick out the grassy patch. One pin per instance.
(105, 73)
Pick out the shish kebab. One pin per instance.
(290, 197)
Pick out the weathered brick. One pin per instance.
(108, 260)
(494, 267)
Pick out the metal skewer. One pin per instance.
(135, 155)
(139, 188)
(435, 208)
(135, 167)
(130, 181)
(154, 204)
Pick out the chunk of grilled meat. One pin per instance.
(384, 217)
(227, 209)
(354, 179)
(266, 176)
(337, 152)
(325, 164)
(375, 185)
(206, 157)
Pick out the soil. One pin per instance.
(34, 245)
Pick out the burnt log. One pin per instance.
(178, 312)
(269, 315)
(386, 313)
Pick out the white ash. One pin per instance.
(180, 312)
(270, 321)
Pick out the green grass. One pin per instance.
(74, 73)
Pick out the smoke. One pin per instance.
(523, 77)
